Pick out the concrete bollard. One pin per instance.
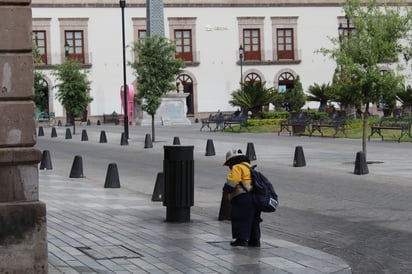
(84, 135)
(250, 152)
(103, 138)
(68, 134)
(299, 160)
(77, 167)
(148, 141)
(361, 167)
(112, 177)
(46, 162)
(176, 140)
(123, 140)
(210, 148)
(41, 132)
(54, 132)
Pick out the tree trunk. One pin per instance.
(73, 123)
(365, 128)
(153, 128)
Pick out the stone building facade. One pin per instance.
(23, 243)
(279, 38)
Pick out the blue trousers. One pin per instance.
(245, 218)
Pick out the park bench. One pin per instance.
(112, 118)
(337, 123)
(392, 123)
(298, 122)
(236, 118)
(215, 118)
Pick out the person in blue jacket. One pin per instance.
(245, 217)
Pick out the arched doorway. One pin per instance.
(286, 81)
(187, 83)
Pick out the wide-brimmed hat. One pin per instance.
(232, 154)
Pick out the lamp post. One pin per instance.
(66, 55)
(241, 63)
(125, 88)
(66, 49)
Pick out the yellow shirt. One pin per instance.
(238, 173)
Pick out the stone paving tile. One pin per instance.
(134, 237)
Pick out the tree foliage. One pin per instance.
(252, 97)
(320, 93)
(39, 85)
(381, 36)
(73, 88)
(295, 97)
(156, 68)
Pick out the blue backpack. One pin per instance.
(264, 194)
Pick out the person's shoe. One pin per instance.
(254, 243)
(239, 243)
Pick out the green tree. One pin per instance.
(380, 35)
(295, 96)
(72, 89)
(252, 97)
(320, 93)
(156, 68)
(39, 97)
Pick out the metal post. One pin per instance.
(68, 113)
(241, 63)
(125, 89)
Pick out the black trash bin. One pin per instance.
(178, 168)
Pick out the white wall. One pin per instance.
(218, 74)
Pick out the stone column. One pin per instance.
(155, 24)
(23, 243)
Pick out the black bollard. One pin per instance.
(123, 140)
(159, 187)
(68, 134)
(225, 208)
(77, 167)
(88, 122)
(84, 135)
(103, 138)
(361, 167)
(46, 160)
(299, 160)
(53, 132)
(98, 122)
(112, 177)
(210, 148)
(41, 131)
(176, 140)
(148, 141)
(250, 152)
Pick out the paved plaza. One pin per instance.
(329, 219)
(92, 229)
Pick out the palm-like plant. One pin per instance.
(252, 97)
(405, 97)
(320, 93)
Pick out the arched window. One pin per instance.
(253, 77)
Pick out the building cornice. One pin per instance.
(197, 3)
(190, 3)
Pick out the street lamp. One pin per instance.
(66, 49)
(66, 55)
(241, 63)
(122, 4)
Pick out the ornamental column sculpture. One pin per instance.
(23, 243)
